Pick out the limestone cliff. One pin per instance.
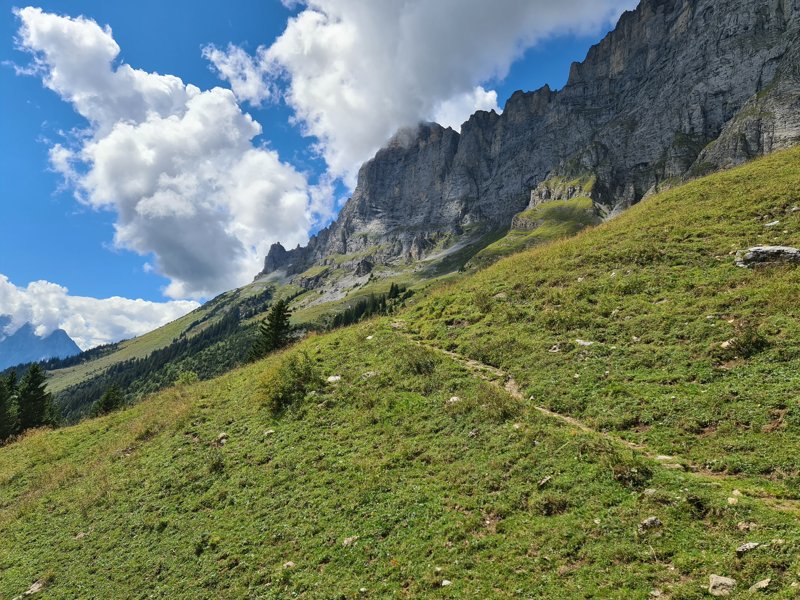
(679, 88)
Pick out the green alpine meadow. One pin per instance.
(569, 422)
(447, 299)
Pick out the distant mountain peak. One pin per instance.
(24, 346)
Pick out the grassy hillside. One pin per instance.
(423, 473)
(657, 295)
(550, 221)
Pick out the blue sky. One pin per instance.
(55, 238)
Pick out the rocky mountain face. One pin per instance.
(24, 346)
(680, 88)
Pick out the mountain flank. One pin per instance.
(612, 415)
(679, 88)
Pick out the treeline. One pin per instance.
(372, 305)
(161, 368)
(25, 404)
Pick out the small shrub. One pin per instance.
(626, 468)
(216, 462)
(551, 504)
(498, 405)
(483, 301)
(748, 341)
(294, 379)
(416, 360)
(186, 378)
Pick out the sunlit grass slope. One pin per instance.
(645, 327)
(379, 482)
(547, 222)
(413, 477)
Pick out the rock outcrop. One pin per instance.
(760, 256)
(678, 89)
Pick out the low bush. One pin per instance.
(294, 379)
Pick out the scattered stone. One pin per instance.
(362, 590)
(773, 224)
(584, 343)
(636, 339)
(596, 521)
(453, 400)
(746, 525)
(650, 523)
(656, 594)
(555, 349)
(473, 433)
(80, 536)
(545, 481)
(35, 588)
(736, 493)
(370, 337)
(437, 569)
(334, 379)
(446, 582)
(269, 432)
(349, 541)
(501, 296)
(674, 466)
(745, 548)
(517, 426)
(760, 585)
(733, 501)
(650, 492)
(727, 344)
(767, 255)
(222, 439)
(288, 565)
(369, 374)
(721, 586)
(663, 457)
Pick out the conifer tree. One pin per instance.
(110, 401)
(274, 332)
(35, 403)
(9, 419)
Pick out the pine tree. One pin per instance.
(9, 418)
(274, 332)
(110, 401)
(35, 403)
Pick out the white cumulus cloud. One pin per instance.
(358, 71)
(178, 165)
(89, 321)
